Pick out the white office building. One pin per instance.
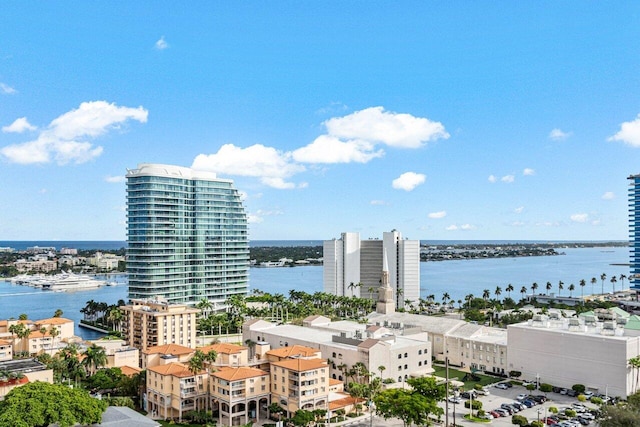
(352, 267)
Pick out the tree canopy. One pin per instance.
(41, 404)
(411, 406)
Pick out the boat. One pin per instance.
(72, 282)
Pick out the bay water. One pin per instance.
(458, 278)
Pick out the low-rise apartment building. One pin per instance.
(173, 389)
(241, 393)
(155, 322)
(164, 354)
(300, 384)
(119, 354)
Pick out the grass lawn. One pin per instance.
(455, 374)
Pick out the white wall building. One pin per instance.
(349, 260)
(567, 351)
(346, 343)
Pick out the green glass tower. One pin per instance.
(187, 236)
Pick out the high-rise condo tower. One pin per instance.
(353, 267)
(186, 234)
(634, 232)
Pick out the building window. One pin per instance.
(419, 351)
(399, 356)
(406, 367)
(406, 355)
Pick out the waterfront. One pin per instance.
(457, 278)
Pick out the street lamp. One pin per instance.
(537, 381)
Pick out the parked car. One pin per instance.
(483, 391)
(519, 405)
(502, 386)
(510, 409)
(469, 394)
(521, 397)
(495, 414)
(486, 416)
(572, 393)
(587, 394)
(502, 412)
(529, 403)
(542, 398)
(454, 399)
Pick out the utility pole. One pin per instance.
(446, 398)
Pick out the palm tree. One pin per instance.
(21, 331)
(593, 282)
(603, 277)
(613, 283)
(571, 289)
(498, 292)
(485, 296)
(446, 297)
(622, 278)
(548, 287)
(381, 368)
(634, 362)
(94, 357)
(468, 298)
(196, 364)
(560, 287)
(205, 306)
(583, 283)
(509, 289)
(58, 313)
(523, 291)
(534, 286)
(352, 286)
(53, 331)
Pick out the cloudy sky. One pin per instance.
(444, 120)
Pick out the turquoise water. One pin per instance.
(457, 278)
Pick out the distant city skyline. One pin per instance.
(448, 121)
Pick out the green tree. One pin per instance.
(411, 406)
(509, 289)
(303, 417)
(94, 358)
(58, 313)
(42, 404)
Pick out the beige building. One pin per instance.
(241, 393)
(150, 323)
(119, 354)
(42, 266)
(6, 350)
(46, 335)
(165, 354)
(172, 390)
(300, 384)
(228, 354)
(21, 372)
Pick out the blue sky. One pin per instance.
(444, 120)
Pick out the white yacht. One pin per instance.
(72, 282)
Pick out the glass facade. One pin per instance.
(634, 231)
(187, 236)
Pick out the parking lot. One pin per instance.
(498, 397)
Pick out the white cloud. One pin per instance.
(61, 140)
(437, 215)
(608, 195)
(378, 202)
(254, 219)
(408, 181)
(508, 179)
(559, 135)
(528, 172)
(629, 133)
(161, 44)
(334, 107)
(548, 224)
(517, 224)
(353, 138)
(7, 90)
(393, 129)
(519, 209)
(115, 178)
(492, 179)
(329, 149)
(267, 163)
(454, 227)
(580, 217)
(258, 216)
(18, 126)
(596, 222)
